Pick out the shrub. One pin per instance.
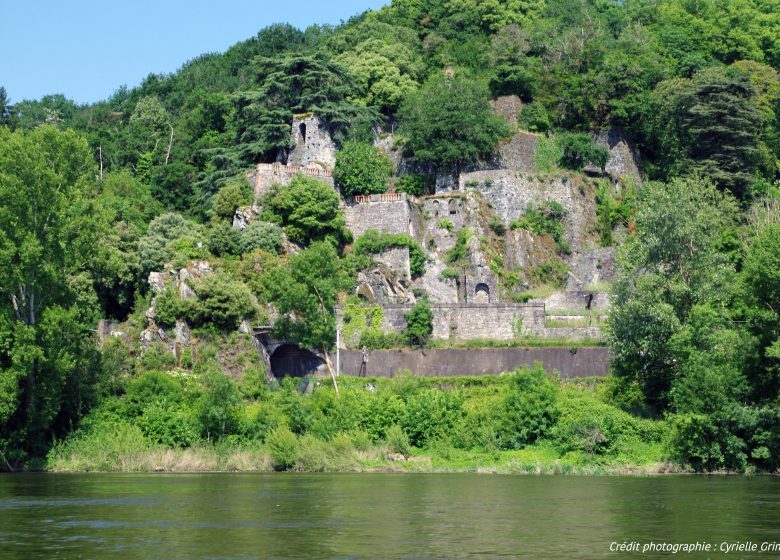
(397, 440)
(261, 235)
(221, 301)
(553, 271)
(158, 246)
(308, 210)
(543, 218)
(223, 239)
(530, 408)
(450, 274)
(414, 184)
(459, 252)
(283, 445)
(169, 424)
(419, 323)
(534, 118)
(372, 242)
(238, 192)
(361, 169)
(580, 150)
(167, 306)
(151, 388)
(217, 405)
(445, 224)
(497, 225)
(430, 415)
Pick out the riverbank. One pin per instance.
(521, 422)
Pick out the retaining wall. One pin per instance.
(443, 362)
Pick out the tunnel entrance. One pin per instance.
(482, 293)
(292, 360)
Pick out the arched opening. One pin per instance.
(482, 293)
(453, 207)
(302, 130)
(292, 360)
(436, 208)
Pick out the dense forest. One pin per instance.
(94, 197)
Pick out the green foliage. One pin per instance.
(371, 242)
(548, 154)
(223, 239)
(450, 274)
(457, 255)
(261, 235)
(544, 218)
(308, 210)
(530, 408)
(613, 209)
(534, 118)
(419, 323)
(361, 169)
(397, 440)
(221, 301)
(168, 236)
(449, 122)
(283, 445)
(445, 224)
(430, 416)
(236, 193)
(580, 150)
(414, 184)
(217, 406)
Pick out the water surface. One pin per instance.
(378, 515)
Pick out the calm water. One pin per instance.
(377, 515)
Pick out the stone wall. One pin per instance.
(473, 321)
(576, 300)
(312, 144)
(440, 362)
(384, 216)
(265, 174)
(589, 268)
(623, 162)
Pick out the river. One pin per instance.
(382, 515)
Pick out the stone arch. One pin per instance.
(436, 208)
(453, 206)
(302, 130)
(292, 360)
(481, 293)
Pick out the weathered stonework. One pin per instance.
(266, 174)
(589, 268)
(391, 217)
(623, 162)
(311, 143)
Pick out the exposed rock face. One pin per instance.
(245, 215)
(312, 144)
(389, 281)
(508, 107)
(623, 162)
(509, 193)
(179, 337)
(590, 268)
(518, 153)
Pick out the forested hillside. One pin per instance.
(95, 197)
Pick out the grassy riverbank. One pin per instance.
(523, 422)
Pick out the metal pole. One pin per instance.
(338, 350)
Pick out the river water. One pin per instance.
(381, 515)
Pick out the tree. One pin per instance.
(670, 266)
(361, 169)
(449, 122)
(308, 210)
(227, 200)
(305, 293)
(419, 323)
(580, 150)
(261, 235)
(48, 238)
(6, 109)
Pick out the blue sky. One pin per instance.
(85, 49)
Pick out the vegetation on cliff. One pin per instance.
(95, 197)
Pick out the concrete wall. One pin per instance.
(568, 362)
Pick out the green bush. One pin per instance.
(261, 235)
(450, 274)
(283, 445)
(543, 218)
(580, 150)
(168, 306)
(397, 440)
(457, 255)
(445, 224)
(169, 424)
(430, 415)
(223, 239)
(361, 169)
(221, 301)
(257, 419)
(497, 225)
(308, 210)
(534, 118)
(530, 408)
(371, 242)
(149, 388)
(419, 323)
(167, 235)
(238, 192)
(413, 184)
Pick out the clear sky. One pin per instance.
(85, 49)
